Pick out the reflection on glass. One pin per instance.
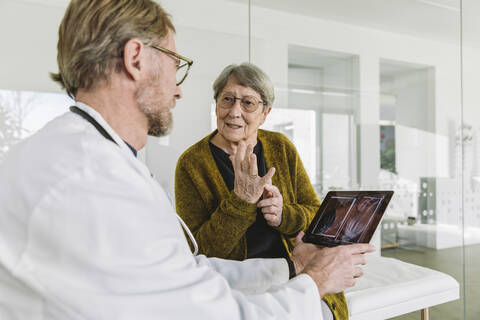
(22, 113)
(323, 81)
(300, 127)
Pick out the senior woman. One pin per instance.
(243, 191)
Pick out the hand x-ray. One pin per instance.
(348, 217)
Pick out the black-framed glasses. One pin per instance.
(183, 63)
(247, 103)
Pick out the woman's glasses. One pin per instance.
(247, 103)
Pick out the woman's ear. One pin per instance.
(133, 56)
(265, 114)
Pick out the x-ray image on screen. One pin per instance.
(333, 216)
(346, 218)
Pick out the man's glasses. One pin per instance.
(247, 103)
(183, 63)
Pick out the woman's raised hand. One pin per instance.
(272, 205)
(248, 185)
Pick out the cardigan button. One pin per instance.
(334, 306)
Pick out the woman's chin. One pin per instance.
(233, 137)
(234, 140)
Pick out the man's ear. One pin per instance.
(133, 55)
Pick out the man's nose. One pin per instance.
(178, 93)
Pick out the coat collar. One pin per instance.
(121, 145)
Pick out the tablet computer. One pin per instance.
(347, 217)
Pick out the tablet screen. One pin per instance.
(348, 217)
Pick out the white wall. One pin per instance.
(28, 52)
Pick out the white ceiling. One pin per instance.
(432, 19)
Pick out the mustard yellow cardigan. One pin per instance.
(219, 219)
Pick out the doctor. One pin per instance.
(86, 233)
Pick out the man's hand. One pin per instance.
(272, 205)
(332, 269)
(335, 269)
(302, 253)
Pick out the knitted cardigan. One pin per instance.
(219, 219)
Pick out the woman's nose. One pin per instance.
(235, 110)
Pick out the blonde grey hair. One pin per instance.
(93, 33)
(247, 75)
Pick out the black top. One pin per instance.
(262, 240)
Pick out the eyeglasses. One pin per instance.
(183, 63)
(247, 103)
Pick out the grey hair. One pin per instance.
(93, 34)
(247, 75)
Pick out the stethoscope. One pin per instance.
(107, 136)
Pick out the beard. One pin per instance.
(160, 123)
(152, 103)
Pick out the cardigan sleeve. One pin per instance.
(217, 232)
(297, 216)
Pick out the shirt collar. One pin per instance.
(131, 148)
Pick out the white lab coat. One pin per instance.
(86, 233)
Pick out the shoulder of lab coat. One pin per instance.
(92, 236)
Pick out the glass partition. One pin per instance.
(378, 87)
(470, 155)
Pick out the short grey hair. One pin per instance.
(248, 75)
